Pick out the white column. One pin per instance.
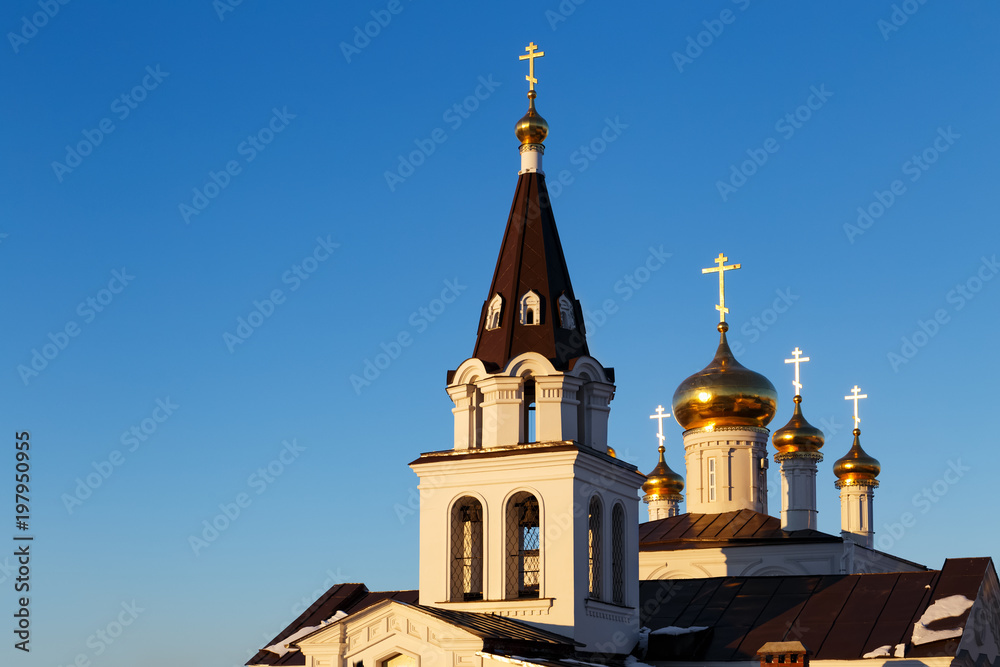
(857, 517)
(502, 412)
(462, 395)
(798, 490)
(556, 405)
(597, 406)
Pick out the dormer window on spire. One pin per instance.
(566, 317)
(494, 312)
(531, 308)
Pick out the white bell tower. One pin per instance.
(529, 514)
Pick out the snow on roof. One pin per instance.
(952, 606)
(886, 651)
(281, 648)
(674, 630)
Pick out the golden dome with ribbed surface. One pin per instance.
(797, 435)
(532, 128)
(662, 482)
(725, 393)
(856, 465)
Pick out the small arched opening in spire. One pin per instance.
(494, 313)
(567, 320)
(531, 308)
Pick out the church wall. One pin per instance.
(768, 560)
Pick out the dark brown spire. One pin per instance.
(531, 259)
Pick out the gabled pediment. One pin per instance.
(384, 630)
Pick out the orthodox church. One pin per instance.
(531, 548)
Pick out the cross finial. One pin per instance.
(660, 415)
(530, 57)
(855, 396)
(721, 269)
(797, 359)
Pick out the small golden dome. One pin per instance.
(611, 452)
(797, 435)
(725, 393)
(532, 128)
(856, 465)
(663, 482)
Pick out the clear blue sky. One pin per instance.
(328, 123)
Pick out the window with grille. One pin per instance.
(594, 543)
(618, 555)
(523, 546)
(467, 550)
(711, 479)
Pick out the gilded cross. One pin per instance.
(530, 57)
(660, 415)
(721, 269)
(797, 359)
(855, 397)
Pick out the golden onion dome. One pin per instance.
(532, 128)
(725, 393)
(662, 481)
(856, 465)
(797, 435)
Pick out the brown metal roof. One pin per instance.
(739, 527)
(531, 258)
(348, 598)
(501, 634)
(837, 617)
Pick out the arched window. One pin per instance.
(618, 555)
(711, 479)
(566, 317)
(493, 313)
(594, 542)
(531, 311)
(467, 549)
(523, 546)
(399, 660)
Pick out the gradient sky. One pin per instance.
(687, 93)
